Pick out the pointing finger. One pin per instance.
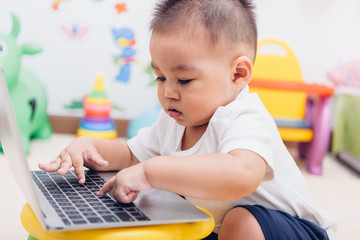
(79, 167)
(107, 187)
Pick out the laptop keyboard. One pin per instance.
(78, 204)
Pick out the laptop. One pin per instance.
(61, 203)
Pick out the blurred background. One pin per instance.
(80, 40)
(88, 44)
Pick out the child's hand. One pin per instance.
(81, 151)
(127, 184)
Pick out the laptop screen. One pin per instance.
(13, 149)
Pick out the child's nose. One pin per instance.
(171, 91)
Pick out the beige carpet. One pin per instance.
(338, 191)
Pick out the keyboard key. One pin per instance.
(94, 220)
(68, 208)
(65, 204)
(89, 214)
(113, 205)
(94, 189)
(72, 198)
(124, 216)
(104, 212)
(69, 213)
(110, 201)
(97, 204)
(104, 198)
(110, 218)
(79, 222)
(76, 217)
(62, 201)
(137, 214)
(126, 205)
(82, 206)
(93, 201)
(99, 208)
(117, 210)
(59, 195)
(69, 191)
(131, 209)
(66, 221)
(144, 218)
(88, 196)
(89, 183)
(86, 210)
(78, 202)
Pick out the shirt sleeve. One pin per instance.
(246, 128)
(146, 143)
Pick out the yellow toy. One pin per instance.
(301, 111)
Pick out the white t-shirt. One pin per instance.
(242, 124)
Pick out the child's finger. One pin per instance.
(130, 197)
(125, 196)
(97, 159)
(78, 163)
(107, 187)
(65, 164)
(51, 166)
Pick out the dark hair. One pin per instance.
(229, 20)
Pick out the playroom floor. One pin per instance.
(337, 191)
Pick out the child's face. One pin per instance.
(192, 81)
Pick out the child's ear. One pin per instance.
(242, 68)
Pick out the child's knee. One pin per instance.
(239, 223)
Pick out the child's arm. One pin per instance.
(91, 152)
(211, 176)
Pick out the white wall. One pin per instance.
(68, 67)
(322, 33)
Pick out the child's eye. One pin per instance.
(162, 79)
(183, 82)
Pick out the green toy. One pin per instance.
(26, 91)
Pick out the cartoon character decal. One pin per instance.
(125, 40)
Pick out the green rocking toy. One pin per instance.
(26, 91)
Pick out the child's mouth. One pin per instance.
(174, 113)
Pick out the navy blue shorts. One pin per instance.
(279, 225)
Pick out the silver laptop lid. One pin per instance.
(13, 149)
